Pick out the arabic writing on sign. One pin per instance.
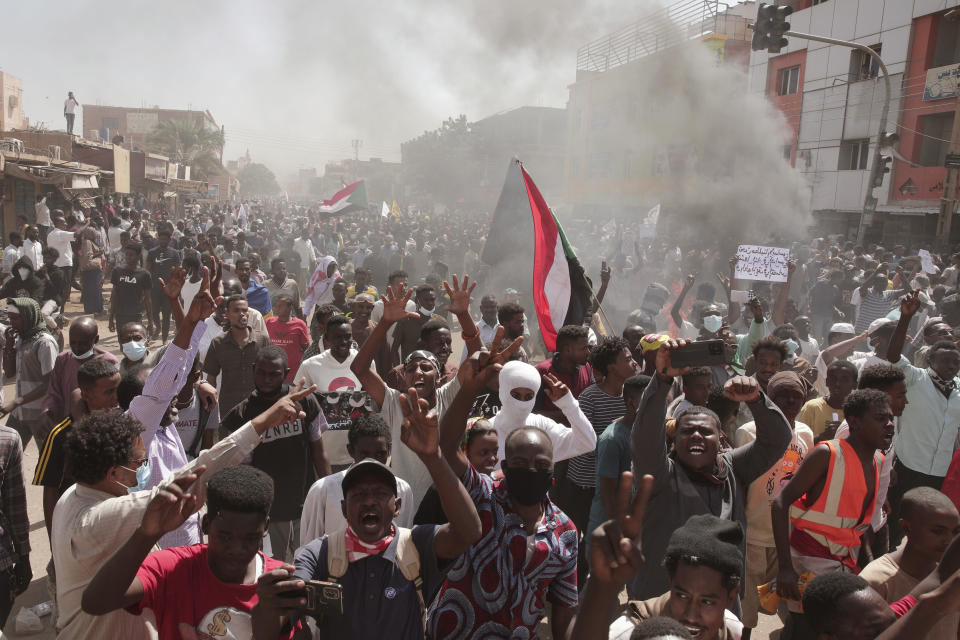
(762, 263)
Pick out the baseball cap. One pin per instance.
(371, 466)
(422, 354)
(652, 341)
(842, 327)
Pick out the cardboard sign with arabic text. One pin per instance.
(755, 262)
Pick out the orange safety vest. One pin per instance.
(834, 520)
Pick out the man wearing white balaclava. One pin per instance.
(519, 383)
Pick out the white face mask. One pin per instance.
(516, 375)
(424, 311)
(712, 323)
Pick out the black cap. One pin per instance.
(710, 541)
(368, 465)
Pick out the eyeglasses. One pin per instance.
(137, 463)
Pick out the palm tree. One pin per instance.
(189, 142)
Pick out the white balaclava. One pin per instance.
(513, 413)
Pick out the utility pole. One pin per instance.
(948, 201)
(356, 144)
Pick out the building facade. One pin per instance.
(135, 124)
(831, 97)
(11, 103)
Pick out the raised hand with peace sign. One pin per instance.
(615, 547)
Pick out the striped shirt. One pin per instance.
(601, 410)
(874, 305)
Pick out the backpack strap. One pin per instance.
(408, 559)
(337, 562)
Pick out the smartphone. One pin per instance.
(740, 296)
(323, 598)
(603, 265)
(703, 353)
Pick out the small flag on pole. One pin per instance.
(396, 210)
(385, 210)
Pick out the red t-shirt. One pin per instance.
(291, 336)
(189, 601)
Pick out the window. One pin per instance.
(599, 165)
(787, 152)
(854, 154)
(947, 49)
(110, 123)
(863, 66)
(936, 131)
(816, 2)
(788, 80)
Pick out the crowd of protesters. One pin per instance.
(349, 427)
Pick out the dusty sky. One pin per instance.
(296, 80)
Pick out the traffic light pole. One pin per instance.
(868, 200)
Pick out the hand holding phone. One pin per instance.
(702, 353)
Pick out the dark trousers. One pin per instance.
(161, 307)
(70, 117)
(575, 501)
(906, 479)
(91, 290)
(67, 281)
(6, 595)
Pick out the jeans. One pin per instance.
(70, 117)
(91, 290)
(161, 306)
(284, 539)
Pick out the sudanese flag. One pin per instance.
(352, 197)
(561, 293)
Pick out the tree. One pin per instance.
(189, 142)
(444, 164)
(257, 180)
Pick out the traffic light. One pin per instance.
(883, 168)
(770, 26)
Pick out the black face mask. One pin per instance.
(528, 487)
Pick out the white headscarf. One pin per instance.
(320, 290)
(513, 413)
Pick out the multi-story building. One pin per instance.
(11, 103)
(135, 124)
(612, 167)
(831, 97)
(382, 179)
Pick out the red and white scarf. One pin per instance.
(357, 549)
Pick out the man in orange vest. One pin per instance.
(831, 500)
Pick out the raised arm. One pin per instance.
(842, 349)
(460, 306)
(648, 436)
(616, 554)
(421, 434)
(773, 431)
(908, 308)
(780, 306)
(580, 437)
(678, 303)
(172, 288)
(116, 584)
(394, 310)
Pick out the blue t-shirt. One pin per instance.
(613, 458)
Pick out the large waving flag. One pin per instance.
(352, 197)
(560, 290)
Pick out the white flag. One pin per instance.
(385, 210)
(611, 226)
(653, 214)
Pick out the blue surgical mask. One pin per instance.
(792, 345)
(134, 350)
(143, 477)
(83, 356)
(712, 323)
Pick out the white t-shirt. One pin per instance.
(60, 240)
(763, 490)
(70, 105)
(43, 213)
(322, 512)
